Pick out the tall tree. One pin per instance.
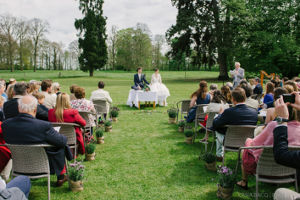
(112, 40)
(38, 29)
(8, 27)
(22, 35)
(158, 43)
(93, 36)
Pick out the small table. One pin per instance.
(137, 96)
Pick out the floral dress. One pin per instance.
(85, 105)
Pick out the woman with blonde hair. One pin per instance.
(225, 90)
(64, 113)
(10, 92)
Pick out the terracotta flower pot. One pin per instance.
(189, 140)
(76, 186)
(108, 128)
(211, 166)
(115, 119)
(90, 157)
(224, 193)
(100, 140)
(180, 129)
(172, 120)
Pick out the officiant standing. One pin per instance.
(139, 80)
(238, 74)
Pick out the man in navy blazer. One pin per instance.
(26, 129)
(139, 80)
(258, 88)
(240, 114)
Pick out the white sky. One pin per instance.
(159, 15)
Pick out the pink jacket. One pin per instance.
(265, 138)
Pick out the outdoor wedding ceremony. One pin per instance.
(148, 99)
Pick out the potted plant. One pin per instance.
(189, 136)
(172, 112)
(99, 135)
(181, 125)
(226, 182)
(108, 126)
(75, 176)
(90, 151)
(210, 161)
(114, 113)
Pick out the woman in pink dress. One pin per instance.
(265, 138)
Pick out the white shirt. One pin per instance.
(101, 94)
(140, 76)
(50, 100)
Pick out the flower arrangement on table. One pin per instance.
(146, 88)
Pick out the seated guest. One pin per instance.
(50, 100)
(64, 113)
(3, 82)
(82, 104)
(201, 96)
(2, 91)
(42, 111)
(2, 100)
(10, 92)
(282, 154)
(26, 129)
(258, 88)
(17, 189)
(289, 88)
(212, 88)
(269, 96)
(252, 103)
(55, 89)
(240, 114)
(33, 88)
(101, 94)
(215, 105)
(293, 84)
(229, 84)
(265, 138)
(226, 92)
(252, 82)
(10, 108)
(5, 156)
(12, 81)
(271, 114)
(72, 91)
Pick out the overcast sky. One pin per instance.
(159, 15)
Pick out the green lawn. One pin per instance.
(144, 157)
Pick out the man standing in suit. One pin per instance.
(237, 74)
(258, 88)
(139, 80)
(26, 129)
(240, 114)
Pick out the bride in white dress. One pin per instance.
(157, 86)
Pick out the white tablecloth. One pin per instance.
(138, 95)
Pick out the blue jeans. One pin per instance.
(21, 182)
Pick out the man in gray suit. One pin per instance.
(237, 74)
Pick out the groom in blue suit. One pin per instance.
(139, 80)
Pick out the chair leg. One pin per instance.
(256, 195)
(296, 182)
(48, 186)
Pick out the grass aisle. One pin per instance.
(144, 157)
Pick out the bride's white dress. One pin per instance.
(162, 91)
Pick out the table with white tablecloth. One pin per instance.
(137, 96)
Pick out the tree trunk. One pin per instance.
(91, 72)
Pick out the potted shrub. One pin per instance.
(108, 126)
(90, 151)
(75, 176)
(189, 136)
(172, 112)
(210, 161)
(181, 125)
(100, 136)
(114, 113)
(226, 182)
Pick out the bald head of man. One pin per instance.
(28, 105)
